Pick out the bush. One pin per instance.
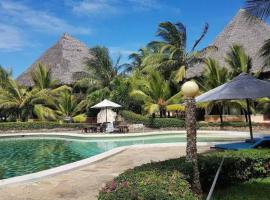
(152, 122)
(149, 184)
(4, 126)
(239, 166)
(80, 118)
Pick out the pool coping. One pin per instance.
(104, 155)
(113, 135)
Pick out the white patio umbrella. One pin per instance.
(105, 104)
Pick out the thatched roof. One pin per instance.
(250, 34)
(66, 60)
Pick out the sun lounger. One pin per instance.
(263, 142)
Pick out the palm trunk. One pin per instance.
(191, 148)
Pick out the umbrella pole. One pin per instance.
(249, 120)
(106, 115)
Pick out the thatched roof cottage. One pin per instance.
(66, 60)
(250, 34)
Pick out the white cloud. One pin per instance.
(21, 15)
(116, 51)
(10, 38)
(105, 7)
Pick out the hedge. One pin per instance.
(152, 122)
(149, 184)
(239, 166)
(4, 126)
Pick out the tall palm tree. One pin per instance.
(4, 76)
(42, 77)
(238, 60)
(154, 91)
(101, 71)
(173, 58)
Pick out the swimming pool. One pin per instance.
(25, 155)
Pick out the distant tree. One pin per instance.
(173, 58)
(42, 78)
(238, 60)
(261, 9)
(154, 91)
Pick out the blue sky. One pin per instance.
(29, 27)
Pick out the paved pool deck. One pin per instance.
(85, 182)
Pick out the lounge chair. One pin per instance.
(263, 142)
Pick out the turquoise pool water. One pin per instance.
(24, 155)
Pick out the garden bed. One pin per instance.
(146, 181)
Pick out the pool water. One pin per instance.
(24, 155)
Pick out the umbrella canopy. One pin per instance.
(106, 104)
(243, 86)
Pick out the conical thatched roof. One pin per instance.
(250, 34)
(66, 59)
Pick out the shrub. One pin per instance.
(4, 126)
(239, 166)
(152, 122)
(80, 118)
(150, 184)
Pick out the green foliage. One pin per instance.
(239, 166)
(148, 184)
(224, 124)
(42, 77)
(5, 126)
(79, 118)
(152, 122)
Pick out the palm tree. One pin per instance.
(4, 75)
(101, 72)
(238, 60)
(42, 78)
(19, 100)
(65, 107)
(258, 8)
(173, 58)
(261, 9)
(214, 76)
(154, 91)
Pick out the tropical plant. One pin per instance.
(19, 101)
(42, 78)
(238, 60)
(173, 58)
(261, 9)
(101, 72)
(4, 75)
(213, 76)
(154, 91)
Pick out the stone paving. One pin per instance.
(85, 182)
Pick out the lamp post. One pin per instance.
(190, 89)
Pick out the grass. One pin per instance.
(252, 190)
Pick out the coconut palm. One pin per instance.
(42, 78)
(154, 91)
(4, 75)
(173, 58)
(238, 60)
(101, 71)
(21, 101)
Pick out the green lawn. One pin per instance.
(253, 190)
